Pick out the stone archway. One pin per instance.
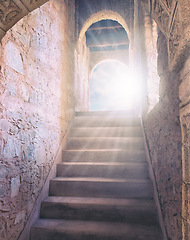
(11, 11)
(103, 15)
(83, 57)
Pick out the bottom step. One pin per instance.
(85, 230)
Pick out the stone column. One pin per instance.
(82, 62)
(153, 80)
(184, 94)
(131, 27)
(136, 45)
(137, 51)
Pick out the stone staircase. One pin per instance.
(102, 190)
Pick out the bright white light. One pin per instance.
(114, 87)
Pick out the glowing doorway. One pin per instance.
(114, 87)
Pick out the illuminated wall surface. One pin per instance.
(113, 87)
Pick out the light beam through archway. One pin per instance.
(114, 87)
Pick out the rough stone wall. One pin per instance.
(82, 60)
(36, 105)
(184, 93)
(173, 20)
(162, 127)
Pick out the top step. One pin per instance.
(106, 121)
(126, 114)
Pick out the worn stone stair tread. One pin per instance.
(107, 113)
(101, 187)
(46, 229)
(139, 203)
(135, 205)
(105, 143)
(100, 209)
(106, 132)
(125, 128)
(112, 116)
(94, 121)
(111, 150)
(94, 179)
(114, 164)
(104, 155)
(135, 139)
(103, 169)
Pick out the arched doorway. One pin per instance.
(103, 15)
(86, 57)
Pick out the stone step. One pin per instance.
(100, 209)
(101, 187)
(102, 190)
(103, 169)
(98, 121)
(126, 113)
(105, 143)
(104, 156)
(106, 132)
(85, 230)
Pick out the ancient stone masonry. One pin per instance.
(184, 93)
(36, 106)
(173, 20)
(164, 136)
(169, 114)
(173, 49)
(163, 131)
(162, 14)
(82, 59)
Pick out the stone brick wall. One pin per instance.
(162, 126)
(81, 86)
(36, 106)
(184, 93)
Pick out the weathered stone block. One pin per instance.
(162, 62)
(13, 57)
(20, 217)
(5, 125)
(2, 190)
(15, 185)
(3, 171)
